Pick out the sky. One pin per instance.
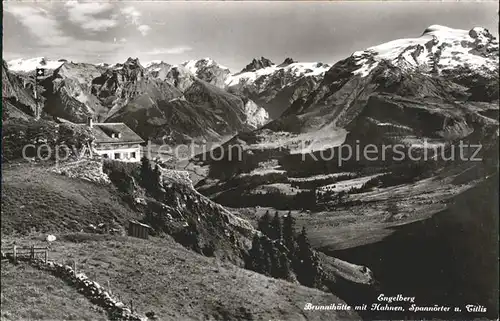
(230, 32)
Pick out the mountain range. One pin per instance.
(216, 102)
(203, 99)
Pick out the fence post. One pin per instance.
(14, 251)
(74, 267)
(46, 254)
(32, 254)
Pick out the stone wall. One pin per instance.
(92, 290)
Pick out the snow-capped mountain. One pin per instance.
(439, 50)
(274, 87)
(293, 70)
(205, 69)
(208, 70)
(29, 65)
(158, 69)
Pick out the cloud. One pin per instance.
(42, 25)
(133, 16)
(51, 40)
(83, 14)
(169, 51)
(144, 29)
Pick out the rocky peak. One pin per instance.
(132, 63)
(287, 62)
(180, 77)
(204, 62)
(257, 64)
(156, 63)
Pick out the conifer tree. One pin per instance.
(284, 267)
(307, 264)
(256, 255)
(157, 178)
(264, 224)
(289, 232)
(275, 225)
(303, 247)
(274, 259)
(145, 171)
(267, 257)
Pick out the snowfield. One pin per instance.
(28, 65)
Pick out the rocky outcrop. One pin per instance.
(89, 170)
(197, 222)
(256, 116)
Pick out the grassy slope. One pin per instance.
(33, 197)
(160, 275)
(29, 294)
